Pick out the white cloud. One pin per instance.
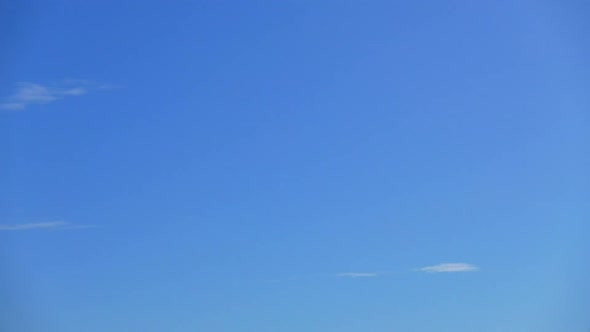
(357, 275)
(28, 94)
(48, 225)
(449, 267)
(74, 92)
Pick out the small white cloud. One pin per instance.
(449, 267)
(28, 94)
(48, 225)
(35, 93)
(357, 275)
(74, 92)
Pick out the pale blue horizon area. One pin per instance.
(294, 166)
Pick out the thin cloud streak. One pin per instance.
(449, 268)
(48, 225)
(439, 268)
(28, 94)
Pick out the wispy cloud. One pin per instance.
(357, 275)
(439, 268)
(48, 225)
(449, 268)
(27, 93)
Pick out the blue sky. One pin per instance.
(294, 166)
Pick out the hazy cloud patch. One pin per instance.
(48, 225)
(449, 268)
(27, 94)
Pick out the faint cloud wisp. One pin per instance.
(48, 225)
(28, 94)
(449, 268)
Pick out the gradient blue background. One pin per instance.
(252, 150)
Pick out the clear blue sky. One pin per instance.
(294, 166)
